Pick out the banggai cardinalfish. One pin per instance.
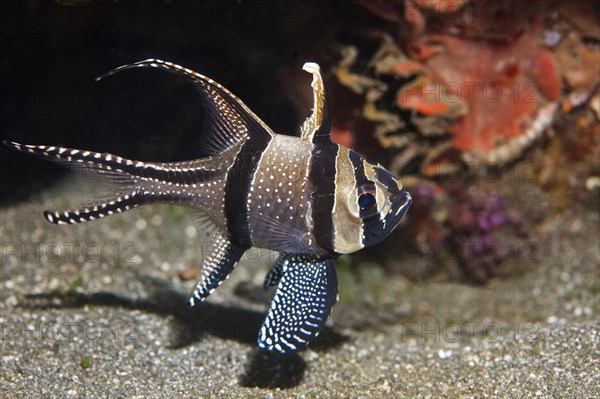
(303, 196)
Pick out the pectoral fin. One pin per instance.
(302, 303)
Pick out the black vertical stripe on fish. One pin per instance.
(359, 168)
(237, 188)
(323, 132)
(322, 176)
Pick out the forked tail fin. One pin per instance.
(125, 175)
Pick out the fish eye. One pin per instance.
(366, 201)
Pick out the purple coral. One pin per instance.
(477, 227)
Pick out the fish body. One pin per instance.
(303, 196)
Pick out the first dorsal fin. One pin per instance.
(317, 126)
(228, 120)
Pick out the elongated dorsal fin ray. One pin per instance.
(228, 120)
(317, 126)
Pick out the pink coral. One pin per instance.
(483, 54)
(501, 83)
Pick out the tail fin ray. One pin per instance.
(103, 162)
(86, 214)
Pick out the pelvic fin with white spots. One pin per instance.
(302, 303)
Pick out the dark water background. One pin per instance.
(52, 51)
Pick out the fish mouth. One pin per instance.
(402, 207)
(378, 229)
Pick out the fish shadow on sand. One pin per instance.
(189, 326)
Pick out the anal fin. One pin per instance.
(303, 301)
(218, 264)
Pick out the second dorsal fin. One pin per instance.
(228, 120)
